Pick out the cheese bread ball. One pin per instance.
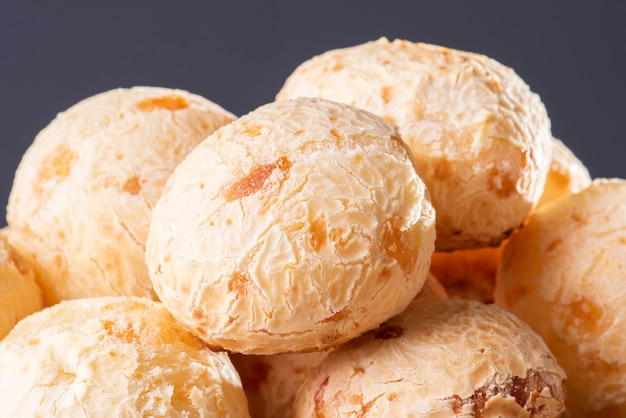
(480, 137)
(564, 274)
(83, 193)
(296, 227)
(19, 293)
(113, 357)
(271, 382)
(471, 274)
(439, 358)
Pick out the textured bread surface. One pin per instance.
(439, 358)
(83, 192)
(564, 274)
(480, 136)
(295, 227)
(19, 293)
(113, 357)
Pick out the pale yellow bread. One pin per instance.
(296, 227)
(83, 193)
(19, 293)
(113, 357)
(439, 358)
(564, 274)
(471, 274)
(271, 382)
(480, 136)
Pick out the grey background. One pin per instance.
(237, 54)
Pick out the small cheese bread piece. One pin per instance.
(564, 274)
(113, 357)
(296, 227)
(19, 293)
(471, 274)
(480, 137)
(439, 358)
(83, 193)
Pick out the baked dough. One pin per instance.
(83, 193)
(294, 228)
(19, 293)
(564, 274)
(439, 358)
(480, 137)
(113, 357)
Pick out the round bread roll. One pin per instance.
(298, 226)
(480, 137)
(439, 358)
(564, 274)
(19, 293)
(471, 274)
(83, 193)
(271, 382)
(113, 357)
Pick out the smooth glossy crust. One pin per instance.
(480, 137)
(113, 357)
(296, 227)
(83, 193)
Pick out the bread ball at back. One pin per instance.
(479, 135)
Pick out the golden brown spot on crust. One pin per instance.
(495, 85)
(359, 370)
(387, 94)
(198, 314)
(501, 185)
(393, 396)
(336, 67)
(585, 315)
(394, 245)
(554, 243)
(125, 333)
(318, 398)
(577, 217)
(336, 134)
(58, 261)
(389, 119)
(59, 164)
(337, 316)
(298, 132)
(229, 222)
(132, 186)
(317, 234)
(256, 179)
(388, 331)
(622, 240)
(170, 102)
(238, 283)
(443, 170)
(252, 130)
(34, 341)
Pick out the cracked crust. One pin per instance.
(480, 137)
(563, 274)
(296, 227)
(439, 358)
(19, 293)
(83, 193)
(113, 357)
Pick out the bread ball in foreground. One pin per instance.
(471, 274)
(19, 293)
(113, 357)
(83, 192)
(439, 358)
(294, 228)
(564, 274)
(479, 135)
(271, 382)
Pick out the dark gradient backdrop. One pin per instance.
(237, 54)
